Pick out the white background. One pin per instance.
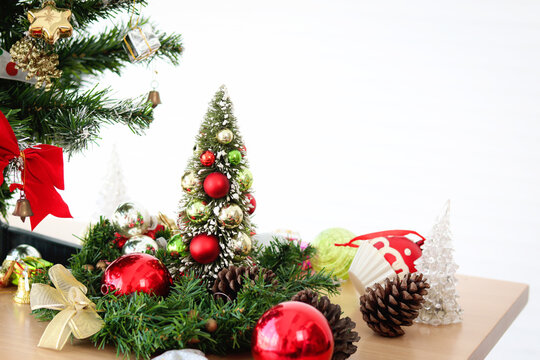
(366, 115)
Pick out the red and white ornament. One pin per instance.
(216, 185)
(9, 71)
(207, 158)
(252, 203)
(204, 248)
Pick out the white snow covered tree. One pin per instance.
(437, 264)
(113, 189)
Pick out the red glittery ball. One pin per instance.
(136, 272)
(208, 158)
(216, 185)
(204, 248)
(253, 203)
(292, 330)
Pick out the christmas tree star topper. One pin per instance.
(50, 22)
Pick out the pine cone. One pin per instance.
(388, 307)
(230, 280)
(342, 328)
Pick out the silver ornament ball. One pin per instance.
(132, 219)
(225, 136)
(23, 251)
(190, 182)
(139, 244)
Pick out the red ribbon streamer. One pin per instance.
(387, 233)
(42, 174)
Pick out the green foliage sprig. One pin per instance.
(142, 325)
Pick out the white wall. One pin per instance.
(362, 114)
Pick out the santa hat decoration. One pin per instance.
(8, 69)
(381, 255)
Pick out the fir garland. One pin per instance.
(142, 325)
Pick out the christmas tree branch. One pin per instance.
(72, 120)
(96, 53)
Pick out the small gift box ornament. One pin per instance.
(141, 42)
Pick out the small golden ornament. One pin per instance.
(50, 22)
(88, 267)
(225, 136)
(37, 63)
(22, 296)
(5, 272)
(231, 216)
(101, 265)
(23, 208)
(153, 97)
(211, 325)
(190, 182)
(241, 246)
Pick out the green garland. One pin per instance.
(142, 324)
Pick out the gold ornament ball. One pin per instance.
(231, 216)
(132, 219)
(190, 182)
(197, 211)
(225, 136)
(242, 245)
(244, 179)
(139, 244)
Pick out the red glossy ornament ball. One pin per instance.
(207, 158)
(136, 273)
(204, 248)
(253, 203)
(292, 330)
(216, 185)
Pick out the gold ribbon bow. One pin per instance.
(78, 314)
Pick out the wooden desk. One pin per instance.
(489, 306)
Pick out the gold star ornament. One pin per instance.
(50, 22)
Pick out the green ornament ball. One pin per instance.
(244, 179)
(333, 258)
(235, 157)
(176, 244)
(197, 211)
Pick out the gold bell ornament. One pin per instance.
(153, 95)
(23, 208)
(22, 296)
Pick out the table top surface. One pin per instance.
(489, 307)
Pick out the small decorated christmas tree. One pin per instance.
(214, 214)
(438, 266)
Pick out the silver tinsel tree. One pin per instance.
(437, 264)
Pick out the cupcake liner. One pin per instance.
(368, 267)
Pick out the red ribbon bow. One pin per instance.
(42, 174)
(387, 233)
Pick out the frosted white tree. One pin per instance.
(113, 189)
(437, 264)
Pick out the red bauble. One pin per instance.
(292, 330)
(204, 248)
(208, 158)
(216, 185)
(399, 251)
(253, 203)
(136, 273)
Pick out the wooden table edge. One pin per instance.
(491, 339)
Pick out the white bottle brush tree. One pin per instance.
(437, 264)
(113, 189)
(214, 212)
